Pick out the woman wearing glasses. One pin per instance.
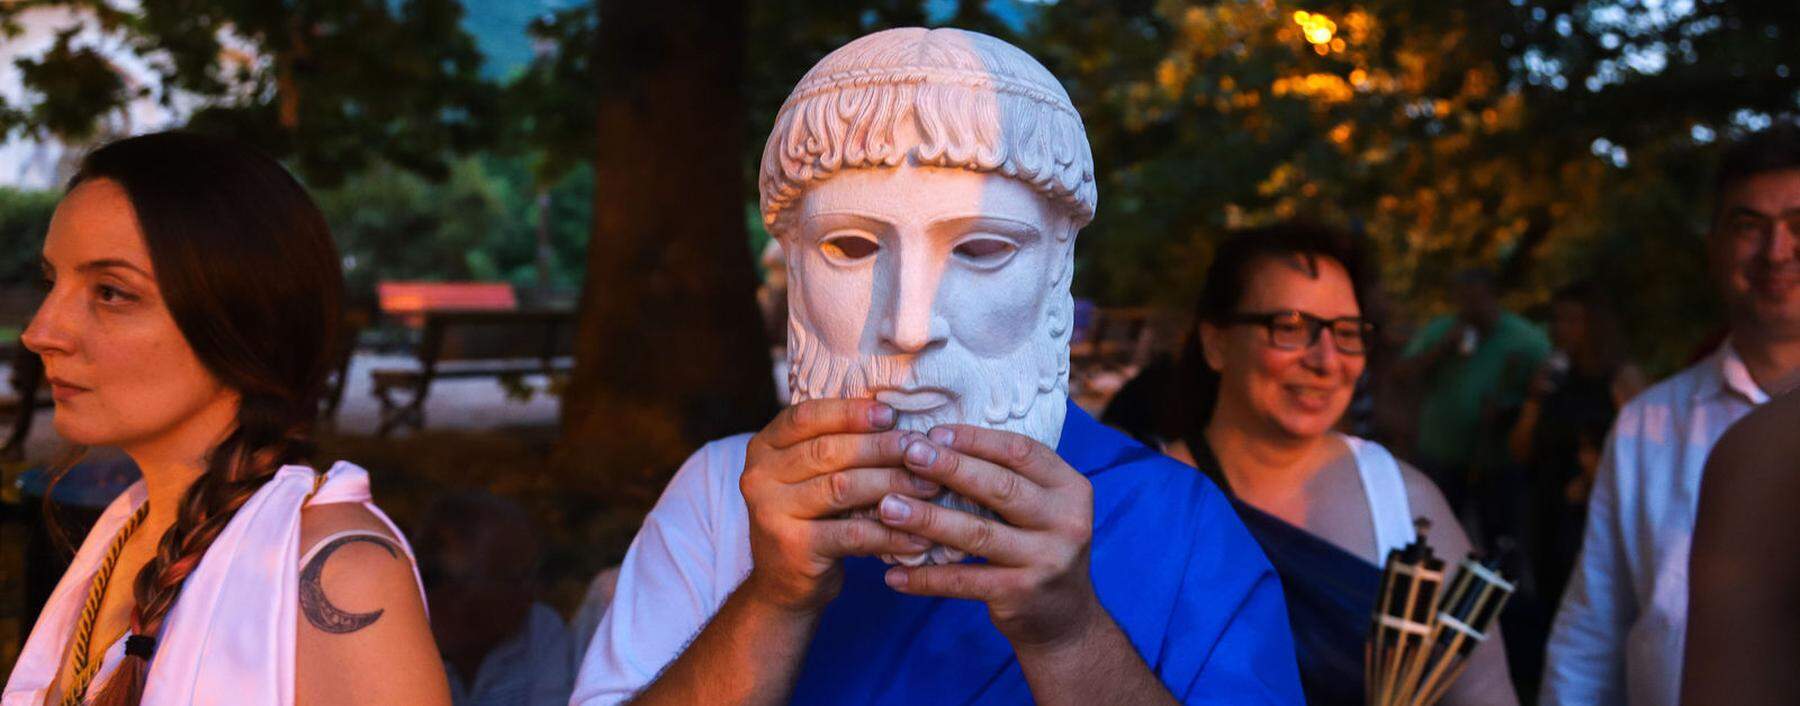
(1265, 377)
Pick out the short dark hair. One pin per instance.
(1234, 260)
(1771, 150)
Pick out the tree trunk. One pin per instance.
(670, 352)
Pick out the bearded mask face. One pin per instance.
(927, 186)
(941, 293)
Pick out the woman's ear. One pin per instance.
(1212, 346)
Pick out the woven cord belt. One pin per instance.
(85, 666)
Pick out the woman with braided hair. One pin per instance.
(193, 295)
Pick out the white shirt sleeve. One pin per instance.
(1584, 663)
(669, 583)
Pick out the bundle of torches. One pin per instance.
(1422, 635)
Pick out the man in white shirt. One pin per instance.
(1619, 634)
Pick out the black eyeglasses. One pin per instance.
(1295, 330)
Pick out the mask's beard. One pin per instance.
(1022, 392)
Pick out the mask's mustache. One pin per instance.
(991, 392)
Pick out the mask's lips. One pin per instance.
(914, 401)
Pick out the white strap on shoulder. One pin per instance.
(325, 542)
(1386, 491)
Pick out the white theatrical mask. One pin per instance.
(927, 187)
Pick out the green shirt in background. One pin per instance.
(1500, 368)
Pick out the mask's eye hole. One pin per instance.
(986, 251)
(849, 247)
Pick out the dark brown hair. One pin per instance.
(1772, 150)
(249, 273)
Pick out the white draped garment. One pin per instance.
(229, 638)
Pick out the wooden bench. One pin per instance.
(408, 302)
(471, 344)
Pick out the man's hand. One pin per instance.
(1035, 581)
(814, 462)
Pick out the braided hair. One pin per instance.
(246, 265)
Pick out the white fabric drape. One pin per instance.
(229, 638)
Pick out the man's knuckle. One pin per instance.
(1017, 450)
(820, 453)
(839, 489)
(895, 540)
(853, 535)
(1007, 489)
(981, 537)
(886, 444)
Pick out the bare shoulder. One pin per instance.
(354, 565)
(1754, 464)
(363, 635)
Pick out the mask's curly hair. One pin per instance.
(929, 97)
(247, 268)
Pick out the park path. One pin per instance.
(465, 405)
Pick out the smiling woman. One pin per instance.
(191, 307)
(1280, 343)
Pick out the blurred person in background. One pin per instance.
(479, 557)
(1263, 382)
(1569, 406)
(1472, 364)
(1618, 636)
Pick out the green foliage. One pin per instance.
(74, 79)
(552, 102)
(24, 218)
(332, 87)
(480, 223)
(1541, 139)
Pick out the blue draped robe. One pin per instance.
(1171, 562)
(1330, 597)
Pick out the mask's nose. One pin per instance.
(910, 323)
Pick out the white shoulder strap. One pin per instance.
(1386, 491)
(328, 539)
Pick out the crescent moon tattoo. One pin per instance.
(318, 609)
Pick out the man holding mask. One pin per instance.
(927, 187)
